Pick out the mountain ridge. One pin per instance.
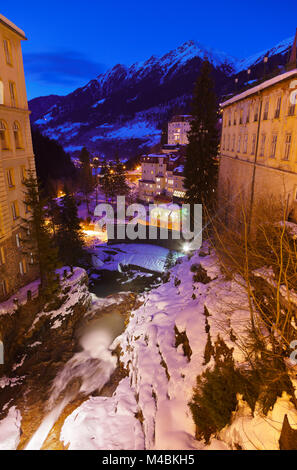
(125, 108)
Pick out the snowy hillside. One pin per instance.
(126, 108)
(167, 334)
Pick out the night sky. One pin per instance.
(71, 42)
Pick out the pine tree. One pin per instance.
(86, 176)
(37, 241)
(201, 166)
(69, 235)
(120, 184)
(105, 180)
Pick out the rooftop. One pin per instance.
(181, 118)
(258, 88)
(12, 26)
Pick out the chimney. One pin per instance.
(292, 64)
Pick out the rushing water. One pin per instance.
(86, 372)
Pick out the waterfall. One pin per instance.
(86, 372)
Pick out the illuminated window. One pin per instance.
(3, 136)
(7, 51)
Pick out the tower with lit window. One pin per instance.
(16, 158)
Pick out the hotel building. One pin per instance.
(16, 157)
(258, 152)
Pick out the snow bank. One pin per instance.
(146, 256)
(10, 430)
(105, 423)
(161, 375)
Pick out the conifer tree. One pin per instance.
(201, 166)
(120, 183)
(69, 235)
(105, 180)
(37, 241)
(86, 176)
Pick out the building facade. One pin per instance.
(258, 151)
(16, 158)
(178, 128)
(161, 178)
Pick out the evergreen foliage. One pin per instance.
(37, 241)
(69, 234)
(52, 162)
(200, 169)
(87, 182)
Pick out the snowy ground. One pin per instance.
(148, 344)
(146, 256)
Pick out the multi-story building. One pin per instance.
(161, 178)
(258, 152)
(178, 128)
(16, 157)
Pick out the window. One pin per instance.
(233, 143)
(229, 118)
(17, 135)
(3, 288)
(13, 95)
(288, 142)
(7, 51)
(248, 115)
(1, 92)
(223, 145)
(291, 110)
(266, 110)
(256, 112)
(273, 146)
(241, 116)
(228, 142)
(234, 120)
(253, 144)
(18, 240)
(15, 210)
(23, 173)
(239, 143)
(3, 136)
(262, 145)
(23, 267)
(2, 256)
(278, 107)
(245, 143)
(10, 178)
